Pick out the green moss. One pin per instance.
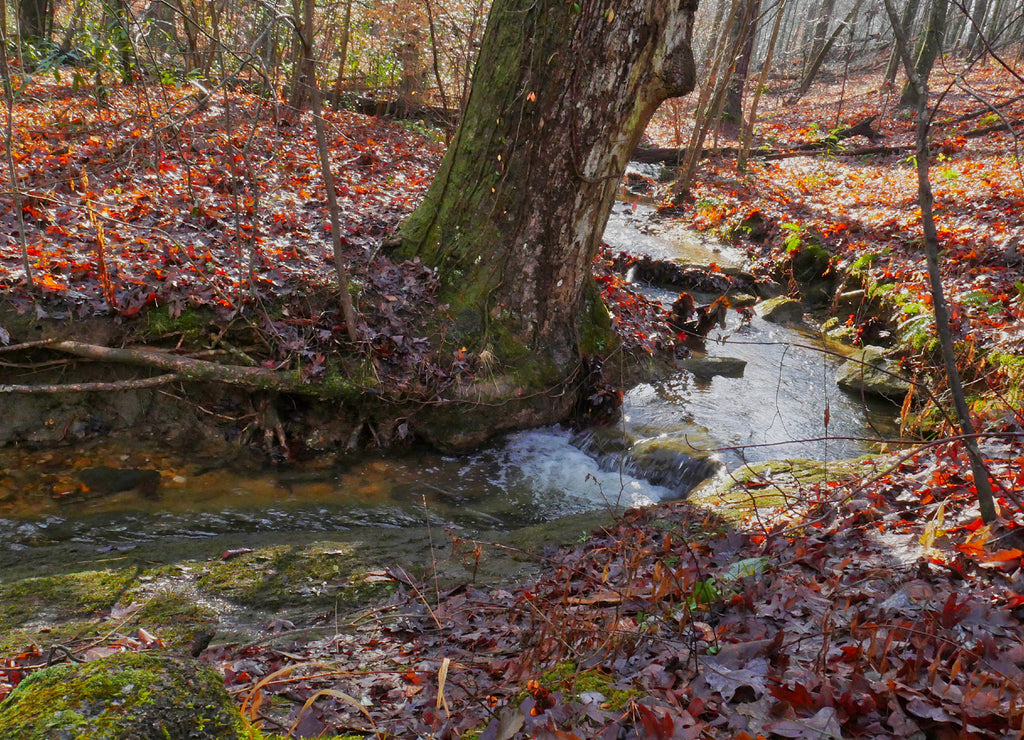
(190, 323)
(596, 335)
(810, 261)
(861, 265)
(1005, 360)
(175, 618)
(21, 639)
(349, 383)
(72, 594)
(567, 678)
(130, 695)
(289, 575)
(771, 484)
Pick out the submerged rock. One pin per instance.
(709, 367)
(874, 373)
(143, 696)
(671, 462)
(104, 480)
(781, 310)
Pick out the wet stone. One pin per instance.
(709, 367)
(781, 310)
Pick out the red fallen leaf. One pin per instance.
(952, 612)
(49, 282)
(798, 697)
(1014, 601)
(662, 728)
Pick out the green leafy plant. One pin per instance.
(795, 239)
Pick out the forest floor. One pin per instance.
(874, 606)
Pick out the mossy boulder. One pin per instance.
(136, 696)
(781, 310)
(872, 372)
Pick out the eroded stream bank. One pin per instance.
(118, 506)
(117, 492)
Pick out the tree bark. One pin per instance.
(304, 77)
(745, 31)
(35, 20)
(930, 48)
(512, 221)
(812, 69)
(346, 31)
(824, 20)
(978, 14)
(906, 21)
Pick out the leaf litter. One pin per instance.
(880, 606)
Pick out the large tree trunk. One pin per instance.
(977, 25)
(561, 95)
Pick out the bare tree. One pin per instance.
(931, 244)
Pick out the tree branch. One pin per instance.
(119, 385)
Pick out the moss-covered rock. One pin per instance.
(781, 310)
(871, 371)
(773, 483)
(79, 594)
(137, 696)
(314, 576)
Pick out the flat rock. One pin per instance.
(781, 310)
(709, 367)
(870, 371)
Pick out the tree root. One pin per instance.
(177, 367)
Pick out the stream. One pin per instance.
(775, 410)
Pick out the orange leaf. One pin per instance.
(1002, 556)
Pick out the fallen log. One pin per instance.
(661, 155)
(653, 155)
(407, 112)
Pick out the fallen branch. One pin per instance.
(401, 110)
(861, 128)
(184, 369)
(662, 155)
(858, 152)
(1001, 126)
(28, 345)
(118, 385)
(670, 156)
(977, 113)
(187, 367)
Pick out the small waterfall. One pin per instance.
(662, 461)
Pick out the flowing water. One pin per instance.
(527, 478)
